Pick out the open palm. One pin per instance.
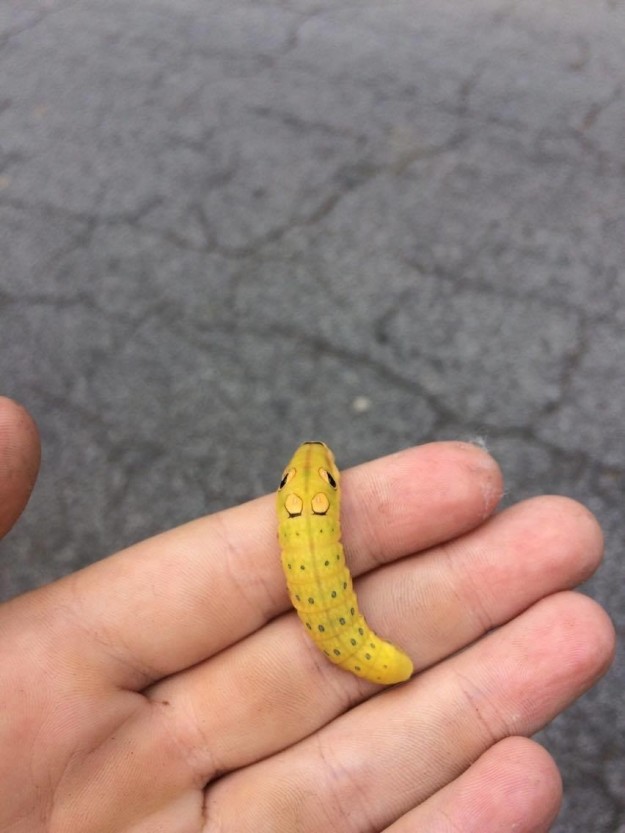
(170, 689)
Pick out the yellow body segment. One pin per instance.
(319, 583)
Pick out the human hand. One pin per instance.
(169, 688)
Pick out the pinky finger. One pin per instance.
(515, 785)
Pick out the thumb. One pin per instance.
(19, 461)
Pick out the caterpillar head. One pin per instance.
(309, 484)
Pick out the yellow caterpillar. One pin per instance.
(319, 583)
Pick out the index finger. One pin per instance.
(169, 602)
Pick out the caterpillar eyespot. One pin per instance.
(288, 475)
(319, 583)
(325, 474)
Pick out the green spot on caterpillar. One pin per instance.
(308, 504)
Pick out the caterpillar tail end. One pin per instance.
(400, 671)
(391, 666)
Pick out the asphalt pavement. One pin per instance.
(226, 227)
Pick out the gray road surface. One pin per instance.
(228, 226)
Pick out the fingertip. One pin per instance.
(472, 470)
(575, 644)
(14, 417)
(481, 463)
(471, 452)
(593, 636)
(20, 455)
(417, 498)
(513, 785)
(525, 783)
(570, 527)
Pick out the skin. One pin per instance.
(169, 689)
